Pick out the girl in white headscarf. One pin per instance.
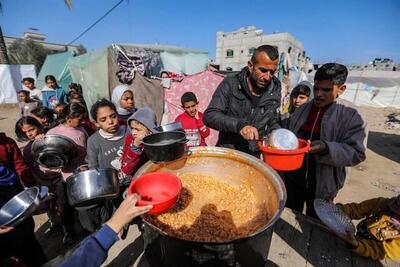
(122, 97)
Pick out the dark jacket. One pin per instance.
(231, 109)
(345, 133)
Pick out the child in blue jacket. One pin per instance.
(52, 93)
(92, 251)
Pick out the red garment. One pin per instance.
(195, 129)
(11, 157)
(131, 160)
(314, 118)
(203, 84)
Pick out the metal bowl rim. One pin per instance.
(22, 212)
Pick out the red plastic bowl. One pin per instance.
(158, 189)
(285, 160)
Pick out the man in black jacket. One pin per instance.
(245, 106)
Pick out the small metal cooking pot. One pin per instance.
(54, 151)
(21, 206)
(165, 146)
(89, 187)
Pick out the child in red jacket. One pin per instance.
(192, 121)
(11, 157)
(141, 123)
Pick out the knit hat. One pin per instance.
(394, 205)
(145, 116)
(7, 177)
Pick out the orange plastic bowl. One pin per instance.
(285, 160)
(159, 189)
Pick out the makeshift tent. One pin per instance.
(372, 88)
(203, 84)
(100, 71)
(56, 65)
(10, 81)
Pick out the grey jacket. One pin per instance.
(345, 132)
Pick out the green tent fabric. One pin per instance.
(90, 70)
(56, 65)
(97, 71)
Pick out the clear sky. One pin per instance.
(352, 31)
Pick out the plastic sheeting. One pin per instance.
(56, 65)
(372, 88)
(10, 81)
(365, 95)
(203, 85)
(189, 63)
(96, 72)
(91, 71)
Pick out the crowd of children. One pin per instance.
(113, 139)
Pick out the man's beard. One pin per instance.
(256, 89)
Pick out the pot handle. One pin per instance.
(81, 168)
(184, 141)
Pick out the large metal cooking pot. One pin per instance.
(165, 146)
(231, 166)
(21, 206)
(54, 151)
(89, 187)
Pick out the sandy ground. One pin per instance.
(378, 176)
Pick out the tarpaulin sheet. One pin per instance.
(189, 63)
(146, 92)
(91, 71)
(372, 88)
(203, 84)
(56, 65)
(10, 81)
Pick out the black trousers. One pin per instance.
(22, 244)
(300, 192)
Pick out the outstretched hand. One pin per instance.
(126, 212)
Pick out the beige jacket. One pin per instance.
(345, 132)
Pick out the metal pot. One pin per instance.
(89, 187)
(231, 166)
(170, 127)
(54, 151)
(165, 146)
(21, 206)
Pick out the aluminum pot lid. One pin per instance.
(333, 217)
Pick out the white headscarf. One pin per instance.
(116, 98)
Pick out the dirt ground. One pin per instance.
(377, 176)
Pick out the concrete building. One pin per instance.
(40, 38)
(385, 64)
(234, 49)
